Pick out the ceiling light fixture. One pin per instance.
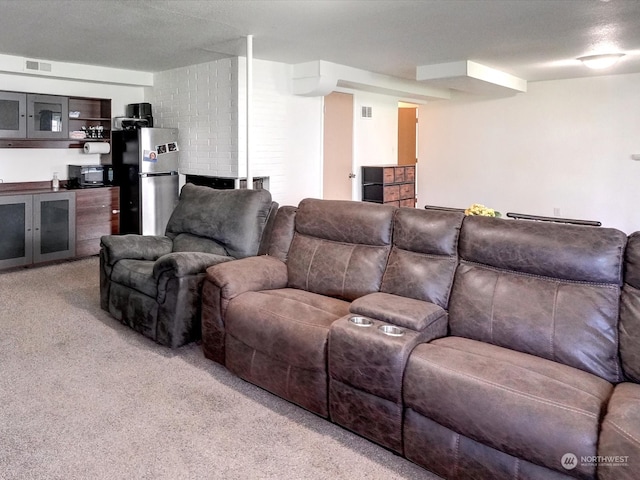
(601, 61)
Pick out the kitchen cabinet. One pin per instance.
(13, 115)
(97, 214)
(392, 184)
(30, 120)
(24, 115)
(37, 228)
(90, 115)
(47, 116)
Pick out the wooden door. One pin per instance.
(407, 116)
(338, 146)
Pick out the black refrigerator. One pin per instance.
(145, 167)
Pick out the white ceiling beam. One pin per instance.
(319, 78)
(470, 77)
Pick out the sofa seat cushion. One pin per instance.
(525, 406)
(287, 324)
(136, 274)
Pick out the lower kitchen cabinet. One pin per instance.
(37, 228)
(97, 214)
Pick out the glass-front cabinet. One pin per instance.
(37, 228)
(54, 219)
(16, 217)
(25, 115)
(47, 116)
(13, 110)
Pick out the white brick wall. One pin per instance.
(207, 104)
(270, 132)
(285, 136)
(201, 102)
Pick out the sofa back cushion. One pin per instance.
(282, 232)
(340, 248)
(546, 289)
(424, 255)
(630, 311)
(224, 222)
(263, 248)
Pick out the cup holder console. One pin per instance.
(361, 321)
(391, 330)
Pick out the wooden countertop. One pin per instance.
(26, 188)
(29, 188)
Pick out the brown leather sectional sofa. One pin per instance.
(475, 347)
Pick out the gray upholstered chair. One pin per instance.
(153, 283)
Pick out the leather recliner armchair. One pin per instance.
(153, 283)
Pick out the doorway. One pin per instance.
(338, 147)
(407, 133)
(408, 140)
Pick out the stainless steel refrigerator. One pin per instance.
(145, 167)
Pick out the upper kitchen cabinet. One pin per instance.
(47, 116)
(30, 120)
(91, 116)
(13, 112)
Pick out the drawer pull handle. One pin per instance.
(115, 211)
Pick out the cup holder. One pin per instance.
(391, 330)
(361, 321)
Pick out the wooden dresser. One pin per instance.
(393, 184)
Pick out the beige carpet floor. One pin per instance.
(84, 397)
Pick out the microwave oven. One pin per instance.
(86, 176)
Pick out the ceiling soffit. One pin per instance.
(433, 82)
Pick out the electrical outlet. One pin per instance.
(556, 212)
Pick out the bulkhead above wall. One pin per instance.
(319, 78)
(73, 71)
(434, 82)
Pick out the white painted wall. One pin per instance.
(38, 164)
(563, 145)
(375, 139)
(303, 170)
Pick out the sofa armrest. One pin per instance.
(404, 312)
(248, 274)
(136, 247)
(181, 264)
(619, 438)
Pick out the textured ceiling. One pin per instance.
(532, 39)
